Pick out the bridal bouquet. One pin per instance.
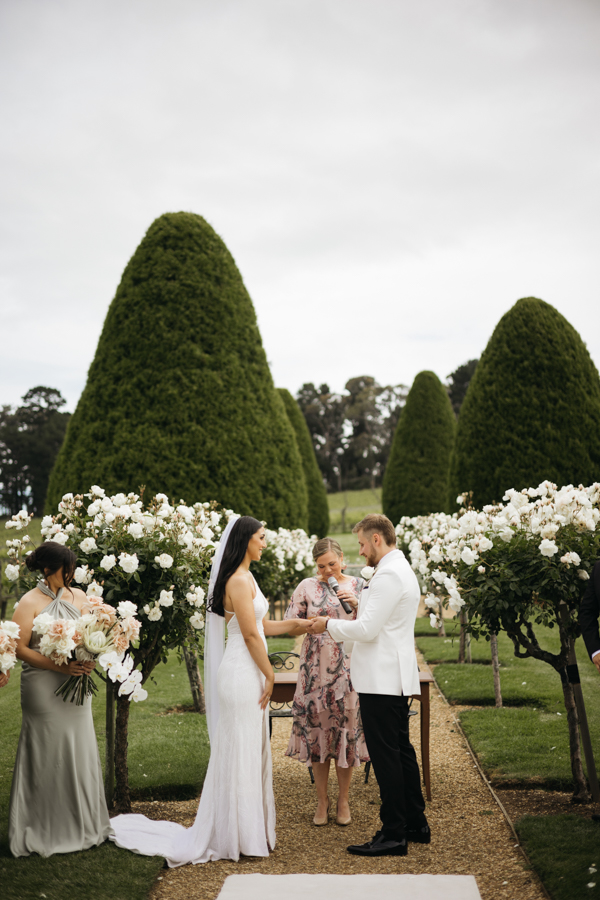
(103, 633)
(9, 632)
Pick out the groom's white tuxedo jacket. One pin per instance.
(383, 634)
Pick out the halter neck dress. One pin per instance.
(57, 800)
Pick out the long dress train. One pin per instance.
(236, 814)
(57, 800)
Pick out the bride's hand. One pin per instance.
(266, 694)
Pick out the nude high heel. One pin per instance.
(339, 820)
(325, 820)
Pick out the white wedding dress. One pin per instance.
(236, 815)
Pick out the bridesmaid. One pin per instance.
(327, 722)
(57, 800)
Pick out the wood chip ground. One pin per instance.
(470, 833)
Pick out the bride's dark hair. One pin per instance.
(235, 551)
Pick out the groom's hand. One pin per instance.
(319, 624)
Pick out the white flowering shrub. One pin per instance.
(285, 562)
(155, 556)
(517, 565)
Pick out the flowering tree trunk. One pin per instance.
(526, 644)
(496, 668)
(122, 795)
(442, 628)
(190, 655)
(581, 793)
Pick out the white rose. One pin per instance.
(155, 614)
(164, 560)
(60, 538)
(468, 556)
(548, 548)
(129, 562)
(108, 562)
(166, 598)
(367, 573)
(88, 545)
(94, 508)
(197, 621)
(434, 621)
(95, 589)
(135, 530)
(481, 570)
(584, 575)
(119, 500)
(12, 572)
(82, 575)
(126, 608)
(485, 544)
(97, 491)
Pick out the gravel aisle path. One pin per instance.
(470, 834)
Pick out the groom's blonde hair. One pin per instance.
(375, 523)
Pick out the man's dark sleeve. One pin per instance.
(589, 611)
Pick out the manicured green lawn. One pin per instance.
(356, 503)
(526, 741)
(562, 849)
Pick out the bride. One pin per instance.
(236, 815)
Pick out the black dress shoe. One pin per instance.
(419, 835)
(380, 846)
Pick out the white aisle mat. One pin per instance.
(350, 887)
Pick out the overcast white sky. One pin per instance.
(390, 176)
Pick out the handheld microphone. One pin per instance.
(333, 584)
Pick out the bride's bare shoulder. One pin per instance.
(239, 586)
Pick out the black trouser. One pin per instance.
(385, 722)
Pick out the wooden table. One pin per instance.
(285, 688)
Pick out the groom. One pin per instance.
(384, 671)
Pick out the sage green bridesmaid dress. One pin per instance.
(57, 800)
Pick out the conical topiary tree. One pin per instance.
(416, 476)
(318, 508)
(179, 396)
(532, 409)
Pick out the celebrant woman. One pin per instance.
(326, 713)
(236, 814)
(57, 800)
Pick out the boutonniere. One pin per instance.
(367, 573)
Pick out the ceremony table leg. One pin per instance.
(425, 712)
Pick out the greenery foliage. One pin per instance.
(458, 383)
(179, 396)
(416, 477)
(30, 438)
(532, 410)
(318, 510)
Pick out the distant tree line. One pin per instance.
(30, 437)
(352, 432)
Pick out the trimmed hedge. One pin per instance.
(179, 397)
(318, 508)
(416, 477)
(532, 410)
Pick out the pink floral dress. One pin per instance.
(327, 723)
